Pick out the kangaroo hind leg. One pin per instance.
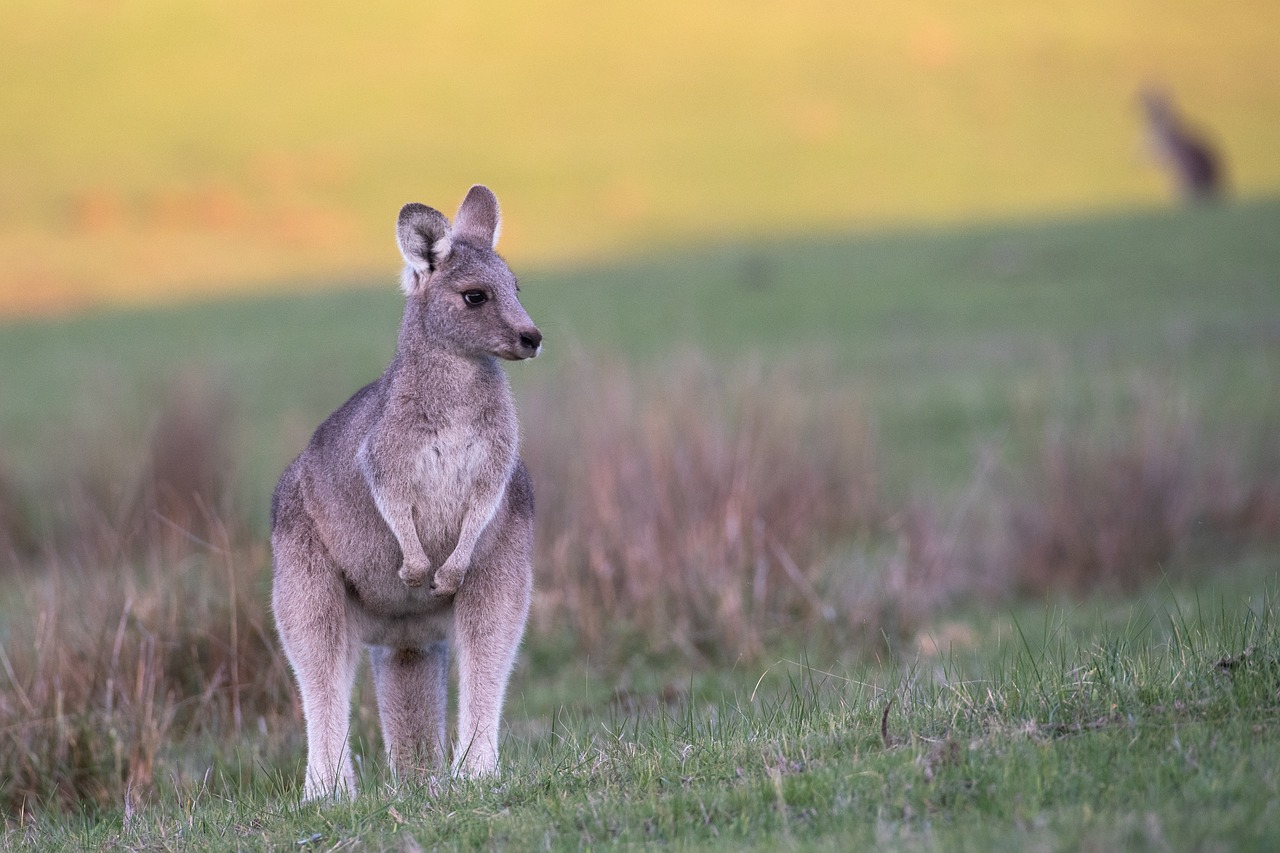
(309, 601)
(412, 689)
(489, 617)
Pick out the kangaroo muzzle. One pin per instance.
(530, 343)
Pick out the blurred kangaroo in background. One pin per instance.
(1193, 163)
(406, 525)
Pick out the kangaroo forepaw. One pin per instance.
(447, 579)
(414, 576)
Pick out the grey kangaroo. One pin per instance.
(1193, 163)
(406, 525)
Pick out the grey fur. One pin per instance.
(406, 525)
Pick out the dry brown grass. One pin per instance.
(17, 536)
(1110, 509)
(186, 483)
(137, 619)
(113, 662)
(693, 513)
(111, 492)
(710, 517)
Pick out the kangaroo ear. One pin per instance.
(479, 217)
(425, 241)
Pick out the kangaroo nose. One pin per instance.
(531, 340)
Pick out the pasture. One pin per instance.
(955, 537)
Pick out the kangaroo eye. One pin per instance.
(475, 297)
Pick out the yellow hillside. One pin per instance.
(157, 149)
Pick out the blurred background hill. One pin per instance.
(154, 150)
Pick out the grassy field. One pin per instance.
(1011, 504)
(1157, 732)
(152, 151)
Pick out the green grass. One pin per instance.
(1144, 726)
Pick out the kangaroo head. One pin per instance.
(1157, 104)
(464, 293)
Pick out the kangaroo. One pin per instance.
(1192, 161)
(406, 525)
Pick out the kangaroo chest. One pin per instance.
(450, 459)
(450, 462)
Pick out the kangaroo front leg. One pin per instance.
(397, 511)
(483, 506)
(415, 566)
